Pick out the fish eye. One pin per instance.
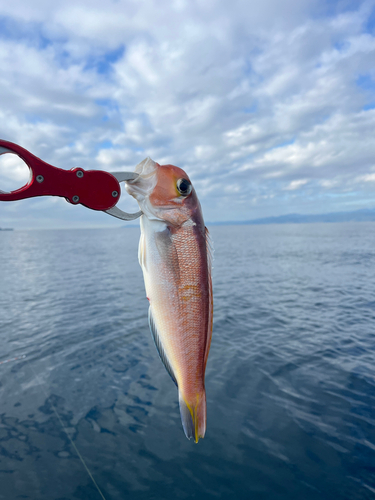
(184, 187)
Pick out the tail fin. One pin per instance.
(193, 416)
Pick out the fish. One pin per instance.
(175, 254)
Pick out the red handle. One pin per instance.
(94, 189)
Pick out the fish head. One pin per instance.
(164, 192)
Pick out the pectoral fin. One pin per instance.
(168, 253)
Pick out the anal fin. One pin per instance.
(159, 346)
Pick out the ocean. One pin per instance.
(87, 410)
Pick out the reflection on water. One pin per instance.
(290, 377)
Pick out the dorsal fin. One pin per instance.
(210, 256)
(210, 251)
(159, 346)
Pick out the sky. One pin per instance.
(268, 106)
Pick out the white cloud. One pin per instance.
(296, 184)
(365, 178)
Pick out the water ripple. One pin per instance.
(290, 377)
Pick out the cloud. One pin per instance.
(296, 184)
(254, 106)
(366, 178)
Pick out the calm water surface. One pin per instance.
(290, 377)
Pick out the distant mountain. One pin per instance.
(362, 215)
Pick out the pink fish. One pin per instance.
(175, 256)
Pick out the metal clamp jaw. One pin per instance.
(94, 189)
(115, 211)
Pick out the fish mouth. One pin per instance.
(141, 187)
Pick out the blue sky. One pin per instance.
(269, 107)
